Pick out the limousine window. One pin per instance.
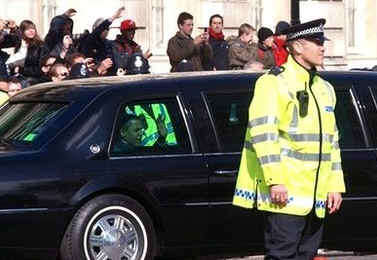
(230, 114)
(24, 122)
(150, 128)
(350, 133)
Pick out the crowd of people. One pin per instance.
(61, 56)
(251, 49)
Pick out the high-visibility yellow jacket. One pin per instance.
(151, 133)
(283, 147)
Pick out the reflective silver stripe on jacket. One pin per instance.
(264, 138)
(272, 158)
(311, 137)
(305, 156)
(263, 121)
(336, 166)
(248, 145)
(294, 123)
(291, 95)
(335, 145)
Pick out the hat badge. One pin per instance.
(138, 63)
(83, 70)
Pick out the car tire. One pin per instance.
(111, 226)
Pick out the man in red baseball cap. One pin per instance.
(125, 43)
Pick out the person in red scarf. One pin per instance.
(219, 46)
(280, 50)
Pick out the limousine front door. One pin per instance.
(229, 225)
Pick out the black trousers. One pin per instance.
(292, 237)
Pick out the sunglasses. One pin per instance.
(64, 74)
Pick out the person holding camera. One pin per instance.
(220, 47)
(8, 37)
(186, 53)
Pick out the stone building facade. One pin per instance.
(350, 24)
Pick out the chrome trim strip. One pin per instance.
(220, 203)
(184, 114)
(208, 203)
(22, 210)
(156, 156)
(360, 116)
(344, 199)
(197, 204)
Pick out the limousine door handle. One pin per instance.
(230, 173)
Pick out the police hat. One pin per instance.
(137, 64)
(310, 30)
(78, 71)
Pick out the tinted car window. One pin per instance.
(24, 122)
(230, 116)
(350, 133)
(154, 127)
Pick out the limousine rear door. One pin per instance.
(173, 177)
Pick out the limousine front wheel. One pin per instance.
(110, 227)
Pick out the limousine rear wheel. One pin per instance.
(110, 227)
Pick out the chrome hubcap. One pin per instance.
(113, 237)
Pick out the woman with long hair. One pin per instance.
(28, 51)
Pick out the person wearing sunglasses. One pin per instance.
(58, 72)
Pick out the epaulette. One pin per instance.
(276, 70)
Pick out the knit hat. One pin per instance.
(264, 33)
(280, 27)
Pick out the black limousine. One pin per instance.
(85, 173)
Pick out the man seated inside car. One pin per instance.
(130, 136)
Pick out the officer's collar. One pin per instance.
(301, 71)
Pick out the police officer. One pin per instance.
(291, 166)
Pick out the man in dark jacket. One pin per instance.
(95, 45)
(220, 47)
(186, 53)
